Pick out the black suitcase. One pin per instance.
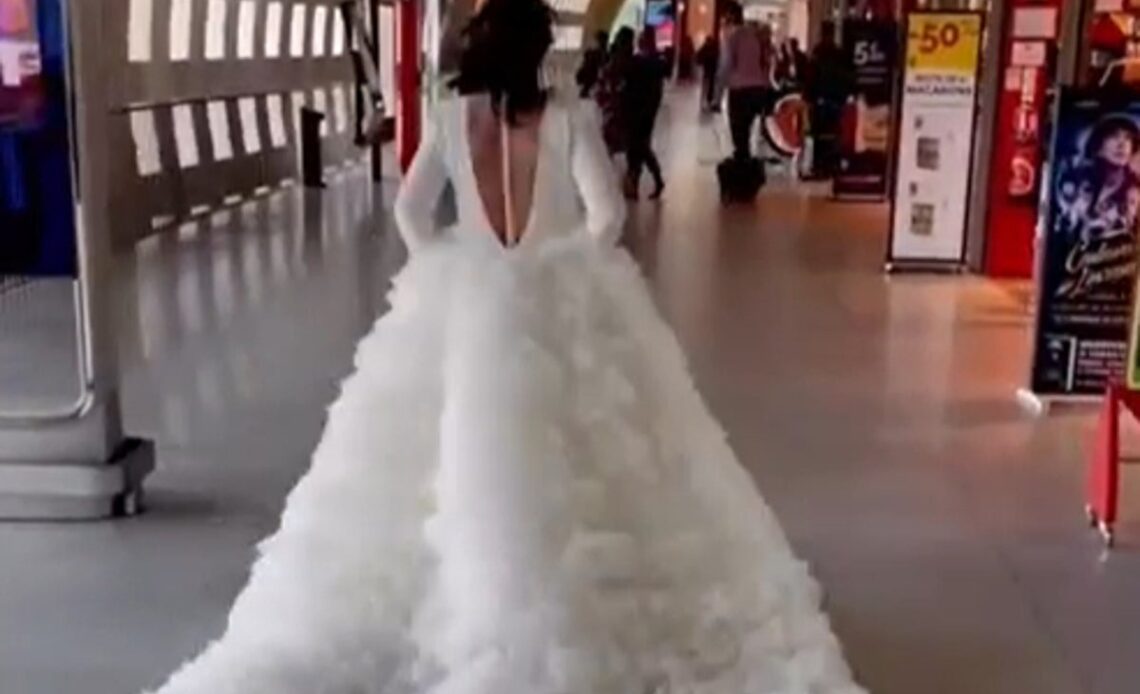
(740, 179)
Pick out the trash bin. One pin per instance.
(312, 161)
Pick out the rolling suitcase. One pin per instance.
(740, 179)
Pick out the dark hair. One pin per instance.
(504, 46)
(623, 43)
(1107, 127)
(734, 12)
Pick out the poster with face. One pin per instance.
(1089, 261)
(37, 206)
(20, 64)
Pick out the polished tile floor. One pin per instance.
(876, 414)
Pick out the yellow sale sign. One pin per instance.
(944, 42)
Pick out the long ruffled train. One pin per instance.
(520, 491)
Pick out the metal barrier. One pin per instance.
(25, 299)
(204, 107)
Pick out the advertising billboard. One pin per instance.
(1088, 262)
(37, 206)
(864, 153)
(936, 137)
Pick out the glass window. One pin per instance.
(275, 106)
(337, 33)
(340, 108)
(148, 159)
(567, 37)
(185, 137)
(216, 29)
(247, 24)
(320, 29)
(321, 104)
(250, 130)
(387, 41)
(180, 12)
(140, 25)
(297, 32)
(218, 116)
(273, 16)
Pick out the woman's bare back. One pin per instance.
(485, 135)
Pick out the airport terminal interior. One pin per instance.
(885, 417)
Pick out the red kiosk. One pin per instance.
(1029, 61)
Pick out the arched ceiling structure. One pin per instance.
(600, 13)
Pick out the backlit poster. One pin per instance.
(659, 15)
(936, 137)
(871, 49)
(1088, 262)
(37, 215)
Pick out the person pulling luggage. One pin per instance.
(747, 61)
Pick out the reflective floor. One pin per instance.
(876, 414)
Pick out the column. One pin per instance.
(77, 464)
(407, 80)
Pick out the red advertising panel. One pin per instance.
(1028, 66)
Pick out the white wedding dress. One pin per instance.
(519, 490)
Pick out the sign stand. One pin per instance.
(867, 119)
(1086, 256)
(1038, 405)
(929, 266)
(934, 140)
(1103, 491)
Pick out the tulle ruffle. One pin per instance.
(520, 491)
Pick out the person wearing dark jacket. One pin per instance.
(641, 98)
(593, 61)
(827, 90)
(708, 56)
(746, 68)
(611, 87)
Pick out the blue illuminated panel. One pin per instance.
(37, 210)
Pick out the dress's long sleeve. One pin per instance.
(420, 192)
(595, 177)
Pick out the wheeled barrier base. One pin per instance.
(46, 491)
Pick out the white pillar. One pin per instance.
(798, 24)
(78, 464)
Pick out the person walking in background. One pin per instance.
(611, 86)
(593, 61)
(708, 57)
(827, 89)
(800, 63)
(746, 67)
(784, 72)
(685, 58)
(642, 93)
(791, 67)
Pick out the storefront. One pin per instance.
(1028, 47)
(1017, 155)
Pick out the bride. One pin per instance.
(519, 491)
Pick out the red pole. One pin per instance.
(407, 81)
